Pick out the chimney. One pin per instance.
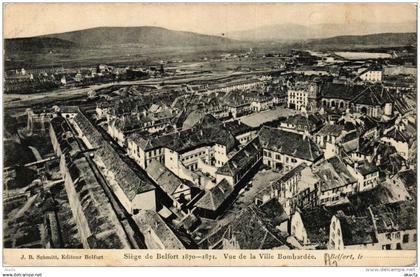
(305, 134)
(378, 160)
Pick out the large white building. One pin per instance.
(372, 76)
(302, 96)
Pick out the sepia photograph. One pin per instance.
(196, 128)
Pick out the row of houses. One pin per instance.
(358, 224)
(135, 191)
(97, 223)
(390, 226)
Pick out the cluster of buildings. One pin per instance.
(193, 165)
(40, 80)
(178, 169)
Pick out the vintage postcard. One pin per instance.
(210, 134)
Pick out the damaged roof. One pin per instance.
(289, 143)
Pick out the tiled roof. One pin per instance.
(199, 117)
(377, 196)
(101, 220)
(341, 91)
(130, 182)
(408, 177)
(331, 129)
(357, 230)
(334, 174)
(128, 123)
(255, 227)
(164, 178)
(147, 219)
(398, 135)
(244, 158)
(399, 216)
(188, 139)
(309, 122)
(317, 222)
(215, 197)
(374, 96)
(289, 143)
(236, 127)
(367, 168)
(388, 159)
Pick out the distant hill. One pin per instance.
(379, 40)
(36, 43)
(115, 36)
(296, 32)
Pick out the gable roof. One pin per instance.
(331, 129)
(398, 216)
(398, 135)
(215, 197)
(341, 91)
(186, 140)
(375, 95)
(255, 227)
(334, 174)
(307, 122)
(357, 230)
(132, 183)
(164, 178)
(317, 222)
(147, 219)
(236, 127)
(366, 168)
(242, 159)
(289, 143)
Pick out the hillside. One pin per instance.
(107, 45)
(116, 36)
(296, 32)
(378, 40)
(36, 43)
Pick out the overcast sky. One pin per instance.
(26, 19)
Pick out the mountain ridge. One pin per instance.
(298, 32)
(381, 39)
(108, 36)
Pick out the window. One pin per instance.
(415, 237)
(405, 238)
